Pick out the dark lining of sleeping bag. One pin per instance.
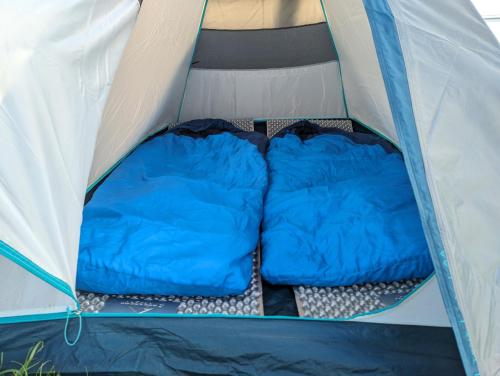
(179, 216)
(339, 211)
(306, 130)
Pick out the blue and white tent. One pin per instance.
(83, 82)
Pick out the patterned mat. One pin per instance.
(348, 301)
(248, 303)
(274, 126)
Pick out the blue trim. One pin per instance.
(33, 318)
(352, 318)
(16, 257)
(338, 56)
(69, 314)
(110, 170)
(393, 68)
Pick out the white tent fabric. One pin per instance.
(312, 91)
(56, 66)
(424, 307)
(24, 293)
(363, 84)
(457, 121)
(151, 78)
(269, 14)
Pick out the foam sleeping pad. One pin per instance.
(339, 211)
(179, 216)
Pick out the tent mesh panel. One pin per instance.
(274, 126)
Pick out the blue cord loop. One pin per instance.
(69, 313)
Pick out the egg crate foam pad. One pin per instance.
(248, 303)
(344, 302)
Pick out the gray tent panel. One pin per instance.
(267, 48)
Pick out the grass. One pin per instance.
(30, 366)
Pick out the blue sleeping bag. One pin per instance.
(339, 211)
(179, 216)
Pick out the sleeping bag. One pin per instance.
(339, 211)
(179, 216)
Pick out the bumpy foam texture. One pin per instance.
(248, 303)
(344, 302)
(274, 126)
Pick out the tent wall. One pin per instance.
(310, 91)
(57, 61)
(361, 76)
(151, 78)
(275, 72)
(441, 66)
(269, 14)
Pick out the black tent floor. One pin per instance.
(236, 346)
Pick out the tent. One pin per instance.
(82, 83)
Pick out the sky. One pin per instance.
(490, 10)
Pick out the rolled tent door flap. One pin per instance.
(441, 67)
(56, 66)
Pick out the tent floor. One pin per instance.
(248, 303)
(229, 346)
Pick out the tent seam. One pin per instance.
(15, 256)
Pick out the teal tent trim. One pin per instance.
(15, 256)
(391, 60)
